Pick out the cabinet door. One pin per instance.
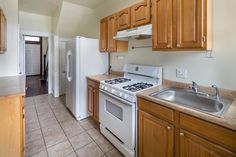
(141, 13)
(96, 104)
(194, 146)
(191, 25)
(155, 136)
(3, 27)
(23, 125)
(162, 24)
(103, 35)
(124, 19)
(112, 30)
(90, 99)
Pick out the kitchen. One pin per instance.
(184, 47)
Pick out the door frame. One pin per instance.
(50, 54)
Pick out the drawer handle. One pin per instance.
(181, 134)
(168, 128)
(177, 45)
(168, 46)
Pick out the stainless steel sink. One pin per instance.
(198, 101)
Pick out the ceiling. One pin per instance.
(48, 7)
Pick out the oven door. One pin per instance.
(118, 117)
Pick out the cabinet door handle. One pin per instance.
(181, 134)
(168, 46)
(168, 128)
(177, 45)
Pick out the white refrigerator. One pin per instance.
(83, 59)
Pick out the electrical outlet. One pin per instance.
(181, 73)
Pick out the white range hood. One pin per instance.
(142, 32)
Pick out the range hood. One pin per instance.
(142, 32)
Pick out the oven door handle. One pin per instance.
(117, 98)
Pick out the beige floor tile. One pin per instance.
(48, 122)
(29, 100)
(104, 144)
(94, 133)
(41, 99)
(114, 153)
(32, 126)
(41, 154)
(71, 128)
(46, 115)
(87, 124)
(53, 135)
(80, 140)
(90, 150)
(60, 150)
(34, 135)
(72, 155)
(62, 114)
(34, 147)
(55, 105)
(31, 117)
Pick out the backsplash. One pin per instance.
(205, 71)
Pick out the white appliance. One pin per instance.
(83, 59)
(142, 32)
(118, 105)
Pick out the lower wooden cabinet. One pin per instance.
(184, 136)
(193, 146)
(93, 99)
(156, 137)
(12, 130)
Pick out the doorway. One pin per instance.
(36, 65)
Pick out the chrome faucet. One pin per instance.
(216, 92)
(194, 87)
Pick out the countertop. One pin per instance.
(12, 86)
(99, 78)
(228, 121)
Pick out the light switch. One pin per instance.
(181, 73)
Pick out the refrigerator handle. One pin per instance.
(68, 74)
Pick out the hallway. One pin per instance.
(51, 131)
(35, 86)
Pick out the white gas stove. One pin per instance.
(118, 105)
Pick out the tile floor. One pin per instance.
(51, 131)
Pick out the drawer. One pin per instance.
(93, 84)
(156, 109)
(210, 131)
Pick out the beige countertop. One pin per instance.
(99, 78)
(228, 121)
(12, 86)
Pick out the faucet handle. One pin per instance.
(216, 92)
(194, 86)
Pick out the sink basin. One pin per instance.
(193, 100)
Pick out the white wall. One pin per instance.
(219, 70)
(35, 22)
(9, 61)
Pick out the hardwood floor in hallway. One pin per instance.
(51, 131)
(35, 86)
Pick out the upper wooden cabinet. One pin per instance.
(108, 29)
(162, 24)
(141, 13)
(124, 19)
(181, 24)
(103, 35)
(3, 31)
(191, 23)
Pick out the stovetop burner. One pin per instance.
(137, 86)
(117, 80)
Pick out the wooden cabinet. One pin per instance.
(103, 35)
(166, 132)
(141, 13)
(12, 130)
(193, 146)
(124, 19)
(191, 23)
(162, 24)
(156, 137)
(108, 29)
(181, 24)
(93, 99)
(3, 32)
